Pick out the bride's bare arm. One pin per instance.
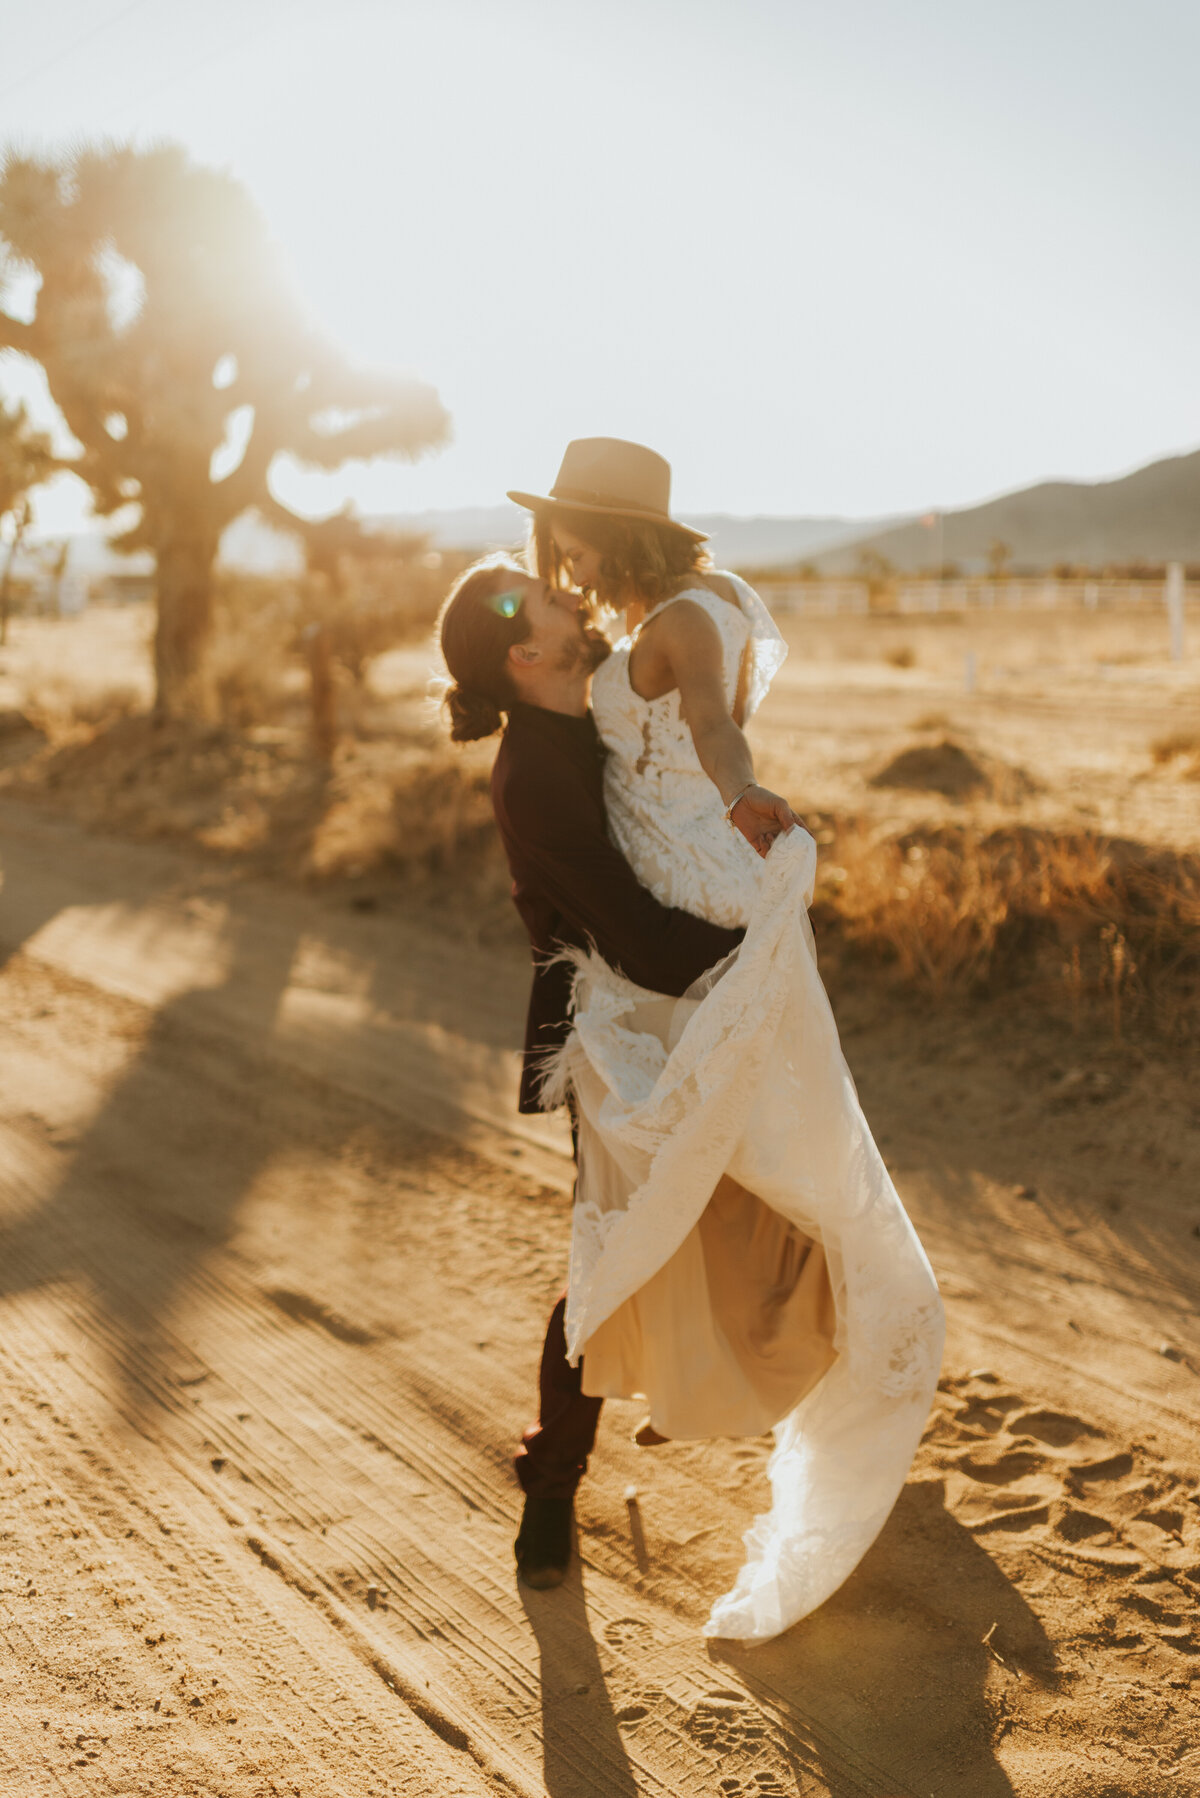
(683, 649)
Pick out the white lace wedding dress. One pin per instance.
(740, 1257)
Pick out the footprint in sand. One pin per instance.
(725, 1720)
(759, 1785)
(1115, 1513)
(1054, 1428)
(1153, 1609)
(1002, 1468)
(986, 1416)
(1097, 1473)
(1169, 1522)
(629, 1636)
(1071, 1525)
(1029, 1517)
(636, 1708)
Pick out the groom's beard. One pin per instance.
(586, 654)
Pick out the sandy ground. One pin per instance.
(276, 1257)
(276, 1254)
(1072, 706)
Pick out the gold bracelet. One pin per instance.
(736, 800)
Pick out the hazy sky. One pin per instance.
(851, 256)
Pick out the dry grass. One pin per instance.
(1094, 927)
(1078, 918)
(414, 809)
(945, 869)
(1178, 746)
(62, 710)
(251, 664)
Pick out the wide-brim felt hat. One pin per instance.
(612, 478)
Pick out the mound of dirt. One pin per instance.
(14, 723)
(954, 772)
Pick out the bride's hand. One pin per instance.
(761, 816)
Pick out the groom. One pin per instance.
(516, 644)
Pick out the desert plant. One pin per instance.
(954, 911)
(999, 558)
(183, 365)
(26, 460)
(877, 571)
(1177, 743)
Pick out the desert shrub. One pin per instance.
(1178, 745)
(900, 655)
(61, 708)
(950, 910)
(251, 665)
(383, 601)
(421, 811)
(257, 665)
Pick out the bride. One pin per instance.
(740, 1258)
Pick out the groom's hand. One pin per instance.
(761, 816)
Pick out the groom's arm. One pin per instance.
(563, 836)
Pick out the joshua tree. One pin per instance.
(877, 571)
(25, 461)
(998, 558)
(183, 364)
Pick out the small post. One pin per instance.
(1173, 594)
(321, 691)
(21, 517)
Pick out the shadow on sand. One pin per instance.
(875, 1692)
(155, 1181)
(582, 1749)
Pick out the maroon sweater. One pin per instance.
(572, 885)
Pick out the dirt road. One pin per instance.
(276, 1255)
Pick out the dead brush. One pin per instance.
(63, 710)
(248, 664)
(952, 911)
(422, 811)
(1178, 746)
(931, 910)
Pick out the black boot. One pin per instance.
(543, 1544)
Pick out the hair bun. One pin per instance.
(472, 715)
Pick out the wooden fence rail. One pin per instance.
(831, 598)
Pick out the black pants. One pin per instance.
(553, 1455)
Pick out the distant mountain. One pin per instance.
(734, 542)
(752, 543)
(1152, 515)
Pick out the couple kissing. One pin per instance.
(740, 1259)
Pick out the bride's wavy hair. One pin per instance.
(475, 639)
(634, 552)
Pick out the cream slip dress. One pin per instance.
(740, 1257)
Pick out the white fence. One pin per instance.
(831, 598)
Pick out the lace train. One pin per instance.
(745, 1078)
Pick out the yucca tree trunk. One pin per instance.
(21, 517)
(185, 601)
